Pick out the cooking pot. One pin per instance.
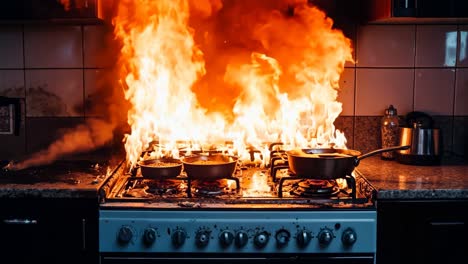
(209, 167)
(161, 168)
(328, 163)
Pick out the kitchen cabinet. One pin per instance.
(49, 230)
(422, 231)
(48, 9)
(399, 10)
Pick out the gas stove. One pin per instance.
(258, 213)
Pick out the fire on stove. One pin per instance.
(248, 183)
(211, 83)
(215, 71)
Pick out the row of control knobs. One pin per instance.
(240, 239)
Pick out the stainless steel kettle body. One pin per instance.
(425, 147)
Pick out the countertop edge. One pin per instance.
(383, 194)
(47, 193)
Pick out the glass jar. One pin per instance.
(389, 131)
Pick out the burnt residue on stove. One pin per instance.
(68, 172)
(251, 186)
(150, 188)
(138, 191)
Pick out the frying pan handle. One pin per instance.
(372, 153)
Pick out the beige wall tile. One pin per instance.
(462, 58)
(385, 46)
(53, 47)
(376, 89)
(12, 83)
(461, 92)
(54, 93)
(11, 46)
(434, 89)
(346, 93)
(436, 45)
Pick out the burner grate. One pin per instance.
(315, 188)
(210, 188)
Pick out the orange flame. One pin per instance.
(248, 72)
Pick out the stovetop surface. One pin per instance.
(257, 191)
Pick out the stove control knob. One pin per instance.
(125, 234)
(226, 238)
(241, 239)
(178, 237)
(348, 237)
(303, 238)
(325, 236)
(282, 237)
(202, 238)
(149, 236)
(261, 239)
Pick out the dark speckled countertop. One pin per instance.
(397, 181)
(74, 179)
(62, 179)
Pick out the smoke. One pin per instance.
(91, 135)
(107, 101)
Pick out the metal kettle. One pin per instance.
(423, 139)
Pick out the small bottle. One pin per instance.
(389, 132)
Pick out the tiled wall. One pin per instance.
(55, 70)
(414, 67)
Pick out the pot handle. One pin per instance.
(372, 153)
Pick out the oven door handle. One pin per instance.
(20, 221)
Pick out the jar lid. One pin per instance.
(391, 110)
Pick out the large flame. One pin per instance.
(247, 72)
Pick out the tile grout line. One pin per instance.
(414, 65)
(83, 71)
(355, 85)
(454, 101)
(26, 141)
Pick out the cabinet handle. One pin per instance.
(83, 233)
(447, 223)
(20, 221)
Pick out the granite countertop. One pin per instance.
(398, 181)
(62, 179)
(74, 179)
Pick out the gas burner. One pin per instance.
(160, 187)
(210, 189)
(150, 188)
(315, 188)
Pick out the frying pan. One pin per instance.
(209, 167)
(328, 163)
(161, 168)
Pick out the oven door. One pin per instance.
(238, 259)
